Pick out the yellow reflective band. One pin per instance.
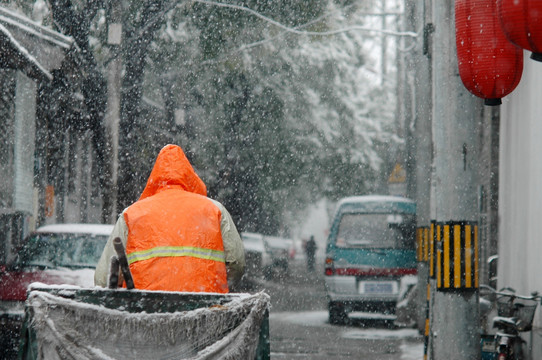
(173, 251)
(426, 244)
(432, 250)
(446, 256)
(468, 257)
(439, 260)
(457, 256)
(476, 258)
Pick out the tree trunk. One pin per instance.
(135, 48)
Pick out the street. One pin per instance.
(279, 111)
(299, 327)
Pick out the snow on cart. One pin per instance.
(80, 323)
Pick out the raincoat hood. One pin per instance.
(173, 170)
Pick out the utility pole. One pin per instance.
(418, 79)
(456, 116)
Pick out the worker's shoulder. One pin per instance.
(217, 203)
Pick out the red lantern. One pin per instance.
(490, 66)
(521, 21)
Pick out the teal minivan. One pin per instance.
(371, 246)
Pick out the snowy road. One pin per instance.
(299, 327)
(308, 335)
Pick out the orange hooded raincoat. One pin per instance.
(174, 234)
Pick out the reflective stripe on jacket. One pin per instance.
(164, 251)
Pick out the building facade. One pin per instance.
(47, 150)
(520, 190)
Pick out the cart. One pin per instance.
(97, 323)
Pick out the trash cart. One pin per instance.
(66, 322)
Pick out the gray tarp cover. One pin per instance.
(67, 329)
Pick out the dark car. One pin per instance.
(53, 254)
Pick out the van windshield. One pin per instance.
(362, 230)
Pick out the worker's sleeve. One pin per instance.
(102, 269)
(234, 250)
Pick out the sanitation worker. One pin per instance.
(176, 238)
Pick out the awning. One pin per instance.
(30, 47)
(14, 56)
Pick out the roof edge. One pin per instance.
(14, 19)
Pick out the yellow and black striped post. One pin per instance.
(422, 243)
(456, 255)
(419, 244)
(453, 260)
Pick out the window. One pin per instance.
(362, 230)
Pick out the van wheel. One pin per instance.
(337, 315)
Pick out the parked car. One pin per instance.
(280, 250)
(266, 255)
(256, 256)
(371, 246)
(53, 254)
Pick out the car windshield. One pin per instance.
(364, 230)
(62, 250)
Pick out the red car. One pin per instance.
(53, 254)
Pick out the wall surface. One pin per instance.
(24, 135)
(520, 189)
(7, 110)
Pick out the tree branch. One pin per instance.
(309, 33)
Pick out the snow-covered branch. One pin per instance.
(309, 33)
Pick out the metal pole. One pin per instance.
(419, 76)
(456, 116)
